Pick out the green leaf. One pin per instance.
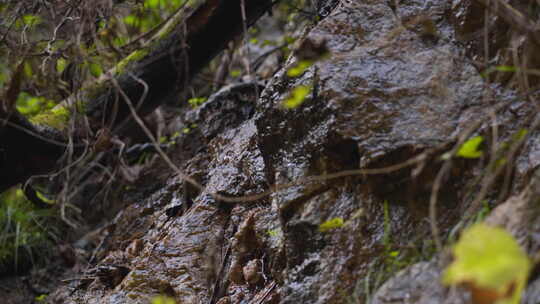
(152, 3)
(489, 259)
(331, 224)
(506, 68)
(299, 68)
(521, 134)
(132, 20)
(41, 298)
(30, 105)
(31, 20)
(196, 101)
(470, 148)
(95, 69)
(163, 300)
(297, 97)
(45, 199)
(500, 68)
(274, 232)
(61, 65)
(120, 41)
(394, 254)
(28, 71)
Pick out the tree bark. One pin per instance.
(180, 49)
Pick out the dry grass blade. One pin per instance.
(513, 17)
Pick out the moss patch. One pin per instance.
(56, 118)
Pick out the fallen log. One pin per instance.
(164, 67)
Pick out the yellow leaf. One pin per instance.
(489, 261)
(299, 68)
(163, 300)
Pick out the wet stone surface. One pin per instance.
(385, 93)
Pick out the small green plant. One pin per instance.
(276, 233)
(23, 227)
(393, 256)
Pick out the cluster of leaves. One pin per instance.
(57, 62)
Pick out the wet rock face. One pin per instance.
(395, 83)
(325, 7)
(385, 93)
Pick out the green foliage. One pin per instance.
(331, 224)
(170, 140)
(3, 74)
(95, 69)
(22, 227)
(30, 105)
(483, 212)
(299, 68)
(151, 14)
(394, 257)
(500, 68)
(61, 65)
(489, 259)
(136, 55)
(163, 300)
(297, 97)
(28, 20)
(276, 233)
(471, 148)
(189, 128)
(235, 73)
(28, 70)
(197, 101)
(41, 298)
(56, 118)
